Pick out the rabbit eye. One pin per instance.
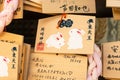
(4, 59)
(78, 32)
(60, 35)
(57, 38)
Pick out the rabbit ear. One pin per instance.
(57, 38)
(61, 35)
(6, 60)
(82, 31)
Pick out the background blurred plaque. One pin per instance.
(57, 67)
(113, 3)
(68, 6)
(111, 59)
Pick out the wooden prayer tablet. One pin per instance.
(57, 67)
(111, 59)
(37, 1)
(9, 53)
(32, 4)
(32, 8)
(73, 34)
(68, 6)
(27, 53)
(13, 38)
(113, 3)
(116, 13)
(112, 79)
(1, 5)
(19, 12)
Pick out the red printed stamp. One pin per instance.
(40, 46)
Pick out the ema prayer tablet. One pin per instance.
(73, 34)
(57, 67)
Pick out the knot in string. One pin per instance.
(95, 64)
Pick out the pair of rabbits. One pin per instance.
(74, 41)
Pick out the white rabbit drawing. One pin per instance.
(55, 40)
(4, 66)
(75, 40)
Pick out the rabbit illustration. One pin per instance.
(55, 40)
(3, 66)
(75, 40)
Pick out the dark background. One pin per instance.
(28, 25)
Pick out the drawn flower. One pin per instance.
(68, 23)
(61, 23)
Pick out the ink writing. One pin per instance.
(17, 10)
(40, 45)
(7, 41)
(74, 8)
(113, 59)
(72, 58)
(14, 49)
(90, 21)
